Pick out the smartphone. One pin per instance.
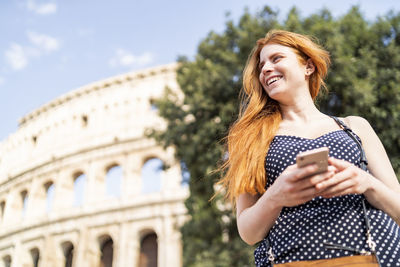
(317, 156)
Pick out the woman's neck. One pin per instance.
(302, 111)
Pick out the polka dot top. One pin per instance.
(300, 232)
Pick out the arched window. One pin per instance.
(7, 261)
(35, 257)
(49, 188)
(148, 251)
(24, 199)
(153, 106)
(2, 208)
(113, 181)
(79, 189)
(68, 249)
(151, 175)
(107, 252)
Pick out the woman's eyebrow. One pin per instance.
(275, 54)
(269, 58)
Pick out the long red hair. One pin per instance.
(259, 116)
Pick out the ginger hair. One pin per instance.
(259, 116)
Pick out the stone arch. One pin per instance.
(2, 210)
(84, 120)
(79, 183)
(49, 193)
(148, 256)
(24, 202)
(106, 251)
(35, 254)
(41, 194)
(152, 104)
(6, 261)
(151, 174)
(68, 252)
(113, 179)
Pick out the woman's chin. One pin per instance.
(274, 93)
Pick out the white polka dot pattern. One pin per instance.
(299, 232)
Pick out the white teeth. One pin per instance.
(274, 79)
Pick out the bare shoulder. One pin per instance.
(357, 122)
(359, 125)
(364, 130)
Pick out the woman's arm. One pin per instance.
(384, 192)
(381, 187)
(256, 214)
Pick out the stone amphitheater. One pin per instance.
(81, 185)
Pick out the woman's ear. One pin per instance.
(310, 67)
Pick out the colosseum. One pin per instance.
(81, 185)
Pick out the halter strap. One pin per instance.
(363, 166)
(352, 135)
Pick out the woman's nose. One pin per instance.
(266, 68)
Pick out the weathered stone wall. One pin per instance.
(86, 132)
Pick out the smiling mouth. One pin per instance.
(273, 79)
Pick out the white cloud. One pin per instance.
(44, 42)
(41, 9)
(127, 59)
(17, 57)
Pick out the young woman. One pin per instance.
(292, 213)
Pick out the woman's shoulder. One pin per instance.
(360, 126)
(357, 122)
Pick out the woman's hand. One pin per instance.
(348, 179)
(256, 214)
(296, 186)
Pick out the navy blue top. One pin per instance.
(299, 232)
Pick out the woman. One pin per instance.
(290, 211)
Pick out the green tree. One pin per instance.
(365, 75)
(363, 80)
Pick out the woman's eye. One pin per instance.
(276, 58)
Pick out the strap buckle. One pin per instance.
(271, 257)
(371, 243)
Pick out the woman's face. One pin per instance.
(281, 73)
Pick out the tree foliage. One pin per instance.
(364, 80)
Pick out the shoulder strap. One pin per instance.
(363, 165)
(352, 135)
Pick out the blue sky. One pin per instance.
(50, 47)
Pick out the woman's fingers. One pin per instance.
(298, 185)
(338, 163)
(339, 177)
(314, 180)
(349, 180)
(300, 173)
(307, 194)
(339, 189)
